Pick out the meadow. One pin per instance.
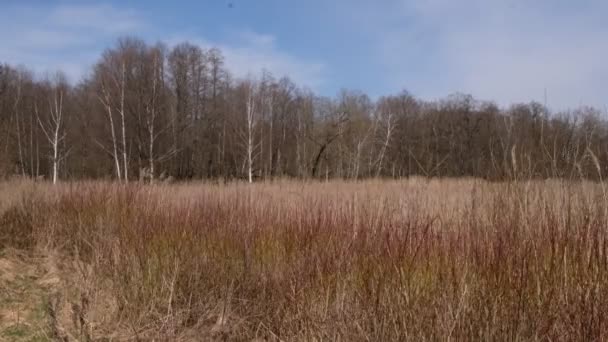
(379, 260)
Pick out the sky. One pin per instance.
(505, 51)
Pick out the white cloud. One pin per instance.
(103, 18)
(72, 37)
(67, 38)
(256, 52)
(252, 52)
(504, 50)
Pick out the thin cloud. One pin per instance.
(66, 38)
(101, 18)
(251, 52)
(508, 51)
(254, 52)
(71, 37)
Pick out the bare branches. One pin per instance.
(53, 127)
(180, 112)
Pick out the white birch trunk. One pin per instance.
(17, 118)
(106, 103)
(150, 120)
(390, 127)
(52, 130)
(250, 127)
(122, 118)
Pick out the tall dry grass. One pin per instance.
(371, 261)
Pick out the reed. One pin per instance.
(417, 259)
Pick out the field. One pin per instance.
(414, 259)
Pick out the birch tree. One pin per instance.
(123, 126)
(156, 121)
(245, 121)
(251, 126)
(388, 124)
(110, 81)
(17, 118)
(105, 99)
(267, 93)
(53, 124)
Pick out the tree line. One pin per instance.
(148, 112)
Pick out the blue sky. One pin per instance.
(502, 50)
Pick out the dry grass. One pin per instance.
(372, 261)
(25, 286)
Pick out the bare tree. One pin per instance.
(389, 123)
(105, 99)
(196, 121)
(268, 99)
(111, 86)
(151, 110)
(17, 116)
(123, 126)
(250, 113)
(330, 128)
(53, 124)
